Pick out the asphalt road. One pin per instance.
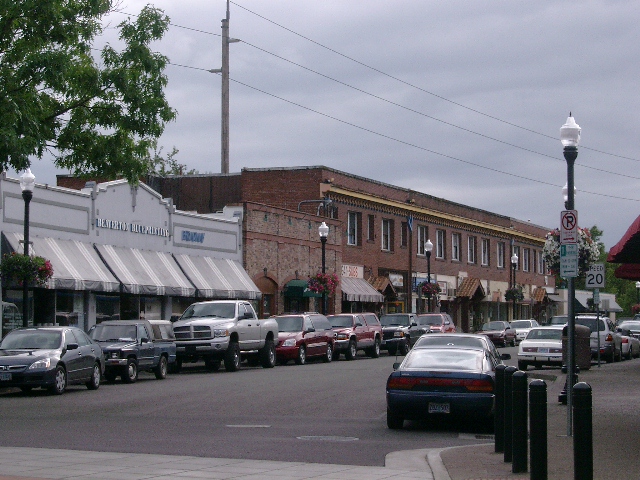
(333, 413)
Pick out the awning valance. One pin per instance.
(218, 277)
(469, 287)
(146, 272)
(359, 290)
(76, 265)
(627, 250)
(299, 288)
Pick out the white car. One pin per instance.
(522, 327)
(630, 344)
(542, 346)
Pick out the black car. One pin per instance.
(51, 358)
(396, 332)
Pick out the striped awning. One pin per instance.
(76, 265)
(218, 278)
(146, 272)
(359, 290)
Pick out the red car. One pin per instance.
(500, 333)
(437, 322)
(356, 331)
(303, 336)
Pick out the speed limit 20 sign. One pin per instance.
(595, 276)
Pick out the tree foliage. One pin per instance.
(96, 118)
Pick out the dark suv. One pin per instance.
(396, 334)
(356, 331)
(302, 336)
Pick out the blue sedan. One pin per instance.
(441, 382)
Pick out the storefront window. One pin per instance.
(107, 307)
(70, 308)
(151, 308)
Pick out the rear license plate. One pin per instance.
(5, 377)
(543, 350)
(438, 408)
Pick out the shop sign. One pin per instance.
(131, 227)
(396, 279)
(352, 271)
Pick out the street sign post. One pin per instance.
(595, 276)
(568, 226)
(569, 260)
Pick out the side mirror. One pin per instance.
(144, 340)
(310, 329)
(414, 324)
(72, 346)
(396, 365)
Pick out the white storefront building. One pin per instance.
(120, 252)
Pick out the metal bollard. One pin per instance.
(520, 429)
(508, 413)
(582, 432)
(538, 426)
(498, 416)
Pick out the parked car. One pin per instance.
(522, 327)
(470, 340)
(396, 335)
(610, 340)
(633, 326)
(630, 344)
(131, 346)
(449, 381)
(499, 332)
(304, 336)
(559, 320)
(356, 331)
(542, 346)
(437, 322)
(51, 358)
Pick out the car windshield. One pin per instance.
(440, 340)
(521, 324)
(444, 359)
(429, 320)
(591, 323)
(631, 325)
(395, 320)
(31, 340)
(545, 334)
(493, 326)
(340, 321)
(222, 310)
(113, 333)
(289, 324)
(559, 320)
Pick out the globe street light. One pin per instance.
(323, 231)
(570, 138)
(428, 247)
(514, 264)
(27, 182)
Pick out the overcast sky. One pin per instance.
(461, 100)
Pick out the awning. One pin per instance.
(76, 265)
(218, 277)
(539, 294)
(627, 250)
(469, 287)
(628, 271)
(299, 288)
(607, 304)
(146, 272)
(359, 290)
(555, 298)
(384, 286)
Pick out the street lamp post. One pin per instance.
(428, 247)
(27, 182)
(514, 264)
(570, 138)
(637, 292)
(323, 231)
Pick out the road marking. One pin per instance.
(248, 426)
(328, 438)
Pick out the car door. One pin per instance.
(248, 328)
(73, 358)
(89, 351)
(145, 347)
(364, 337)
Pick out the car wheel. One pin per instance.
(629, 353)
(60, 384)
(610, 358)
(375, 350)
(336, 356)
(328, 355)
(161, 369)
(176, 366)
(523, 366)
(268, 354)
(394, 422)
(131, 371)
(232, 357)
(94, 381)
(619, 353)
(302, 355)
(404, 348)
(513, 342)
(351, 351)
(392, 350)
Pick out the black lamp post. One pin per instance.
(514, 264)
(27, 182)
(570, 138)
(323, 231)
(428, 247)
(637, 292)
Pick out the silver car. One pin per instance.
(522, 327)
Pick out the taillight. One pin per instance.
(609, 338)
(625, 340)
(479, 386)
(401, 383)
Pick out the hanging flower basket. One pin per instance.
(514, 293)
(588, 251)
(323, 283)
(17, 268)
(635, 309)
(429, 289)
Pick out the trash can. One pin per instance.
(582, 346)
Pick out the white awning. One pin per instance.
(359, 290)
(218, 278)
(76, 265)
(146, 272)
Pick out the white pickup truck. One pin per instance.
(224, 331)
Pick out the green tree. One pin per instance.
(95, 118)
(168, 165)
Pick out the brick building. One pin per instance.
(378, 234)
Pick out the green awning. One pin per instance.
(299, 288)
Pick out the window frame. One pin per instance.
(472, 250)
(441, 244)
(485, 254)
(386, 243)
(500, 251)
(423, 236)
(352, 228)
(456, 240)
